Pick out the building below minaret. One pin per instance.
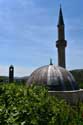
(61, 43)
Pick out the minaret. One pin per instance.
(11, 74)
(61, 43)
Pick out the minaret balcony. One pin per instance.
(60, 43)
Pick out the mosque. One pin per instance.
(57, 78)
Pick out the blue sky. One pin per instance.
(28, 33)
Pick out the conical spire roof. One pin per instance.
(60, 21)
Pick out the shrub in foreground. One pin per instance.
(20, 105)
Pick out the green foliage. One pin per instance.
(78, 75)
(81, 85)
(20, 105)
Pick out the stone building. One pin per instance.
(11, 74)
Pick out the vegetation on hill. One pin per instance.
(20, 105)
(78, 74)
(18, 80)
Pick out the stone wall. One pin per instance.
(72, 97)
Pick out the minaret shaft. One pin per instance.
(61, 33)
(61, 57)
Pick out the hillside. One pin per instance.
(78, 74)
(5, 79)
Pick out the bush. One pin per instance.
(20, 105)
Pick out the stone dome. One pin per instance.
(55, 77)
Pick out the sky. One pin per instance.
(28, 33)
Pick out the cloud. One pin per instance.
(18, 70)
(23, 71)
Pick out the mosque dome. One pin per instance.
(55, 77)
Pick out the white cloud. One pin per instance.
(18, 71)
(23, 71)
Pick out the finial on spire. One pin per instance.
(60, 5)
(51, 61)
(60, 21)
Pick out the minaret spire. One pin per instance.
(61, 26)
(61, 43)
(60, 21)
